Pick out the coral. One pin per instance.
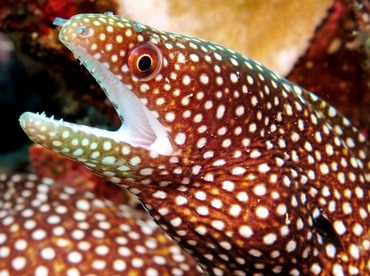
(335, 66)
(276, 33)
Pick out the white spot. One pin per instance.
(163, 211)
(119, 265)
(225, 245)
(252, 127)
(208, 105)
(98, 264)
(357, 229)
(250, 79)
(146, 171)
(41, 270)
(78, 152)
(246, 142)
(74, 257)
(281, 209)
(56, 143)
(216, 203)
(308, 146)
(222, 131)
(128, 33)
(196, 169)
(291, 246)
(255, 252)
(209, 177)
(218, 224)
(19, 263)
(200, 195)
(228, 186)
(201, 230)
(262, 212)
(234, 78)
(186, 80)
(350, 143)
(324, 168)
(255, 154)
(134, 161)
(242, 196)
(102, 250)
(282, 143)
(160, 194)
(180, 200)
(220, 111)
(269, 238)
(181, 58)
(83, 205)
(260, 189)
(239, 110)
(338, 270)
(109, 160)
(235, 210)
(245, 231)
(295, 137)
(263, 168)
(176, 222)
(238, 171)
(331, 251)
(354, 250)
(217, 56)
(78, 234)
(194, 57)
(38, 234)
(201, 142)
(107, 145)
(20, 245)
(180, 138)
(339, 227)
(219, 80)
(202, 210)
(219, 162)
(204, 78)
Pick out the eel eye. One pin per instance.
(84, 31)
(144, 61)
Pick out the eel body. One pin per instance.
(51, 229)
(250, 173)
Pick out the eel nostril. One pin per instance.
(59, 21)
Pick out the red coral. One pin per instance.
(57, 8)
(334, 67)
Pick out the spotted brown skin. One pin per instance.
(49, 229)
(250, 173)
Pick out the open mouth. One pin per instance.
(140, 128)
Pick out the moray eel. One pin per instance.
(50, 229)
(248, 172)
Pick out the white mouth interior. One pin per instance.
(139, 128)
